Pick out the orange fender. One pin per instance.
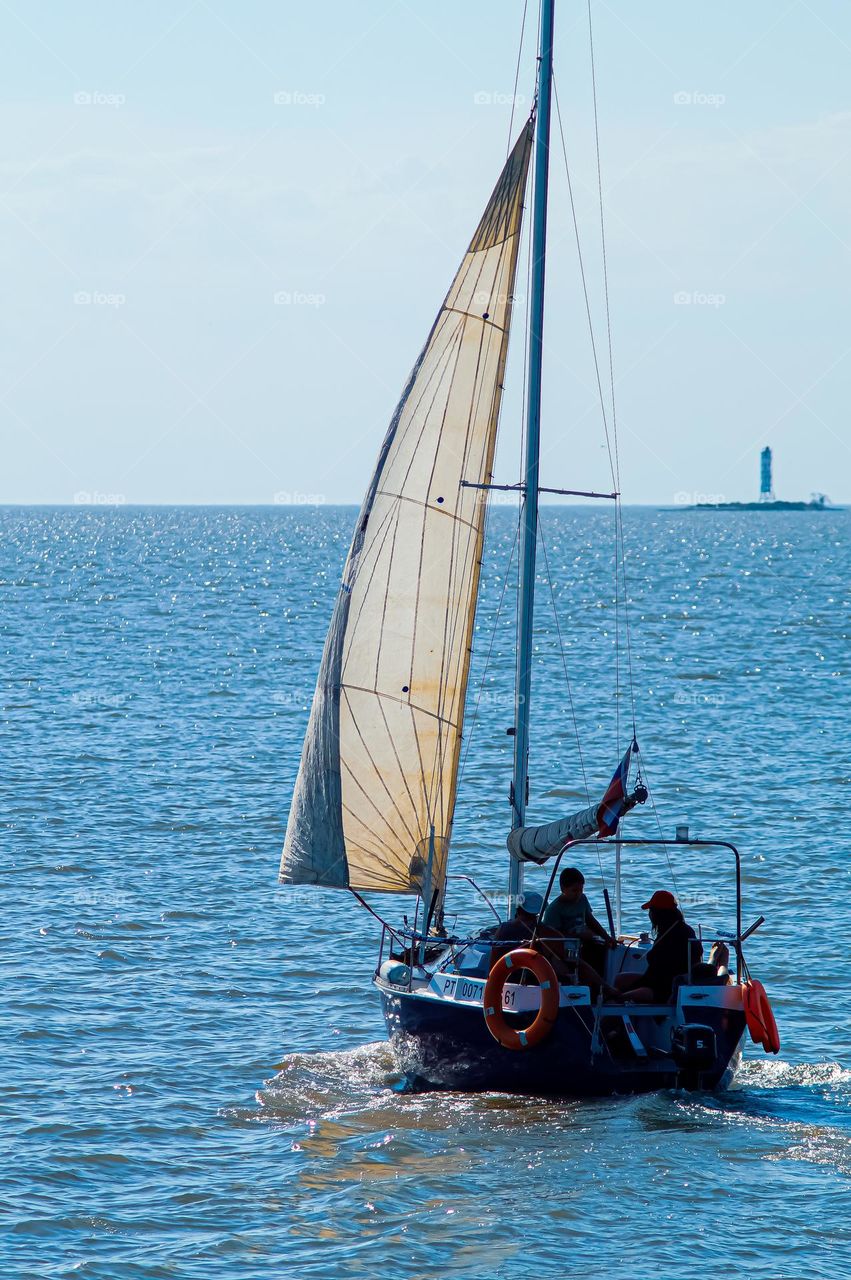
(510, 1037)
(759, 1017)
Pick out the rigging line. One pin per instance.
(603, 247)
(599, 377)
(659, 825)
(611, 440)
(569, 691)
(488, 658)
(380, 919)
(617, 635)
(620, 550)
(564, 662)
(627, 634)
(516, 78)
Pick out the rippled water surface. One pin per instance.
(196, 1081)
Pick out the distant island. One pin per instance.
(767, 500)
(817, 503)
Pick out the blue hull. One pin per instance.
(448, 1046)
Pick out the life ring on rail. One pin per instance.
(535, 963)
(759, 1017)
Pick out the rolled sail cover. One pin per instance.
(536, 844)
(380, 760)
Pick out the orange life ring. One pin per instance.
(510, 1037)
(759, 1017)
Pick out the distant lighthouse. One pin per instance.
(767, 500)
(766, 493)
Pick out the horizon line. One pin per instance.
(295, 506)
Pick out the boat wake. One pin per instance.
(314, 1084)
(793, 1111)
(807, 1106)
(774, 1073)
(359, 1085)
(790, 1090)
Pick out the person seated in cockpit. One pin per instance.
(521, 928)
(674, 952)
(571, 914)
(525, 926)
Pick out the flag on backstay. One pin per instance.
(612, 806)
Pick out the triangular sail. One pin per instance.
(380, 760)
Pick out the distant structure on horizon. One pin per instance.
(767, 500)
(766, 493)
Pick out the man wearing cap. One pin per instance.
(520, 929)
(673, 953)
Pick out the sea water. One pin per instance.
(196, 1080)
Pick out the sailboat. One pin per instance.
(374, 800)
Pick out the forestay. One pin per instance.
(380, 759)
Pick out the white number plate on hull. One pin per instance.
(463, 990)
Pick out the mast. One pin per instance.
(529, 508)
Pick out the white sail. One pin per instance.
(380, 760)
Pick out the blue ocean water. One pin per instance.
(196, 1081)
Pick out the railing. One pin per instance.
(739, 937)
(412, 938)
(480, 891)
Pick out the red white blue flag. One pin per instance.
(611, 809)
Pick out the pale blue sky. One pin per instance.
(148, 167)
